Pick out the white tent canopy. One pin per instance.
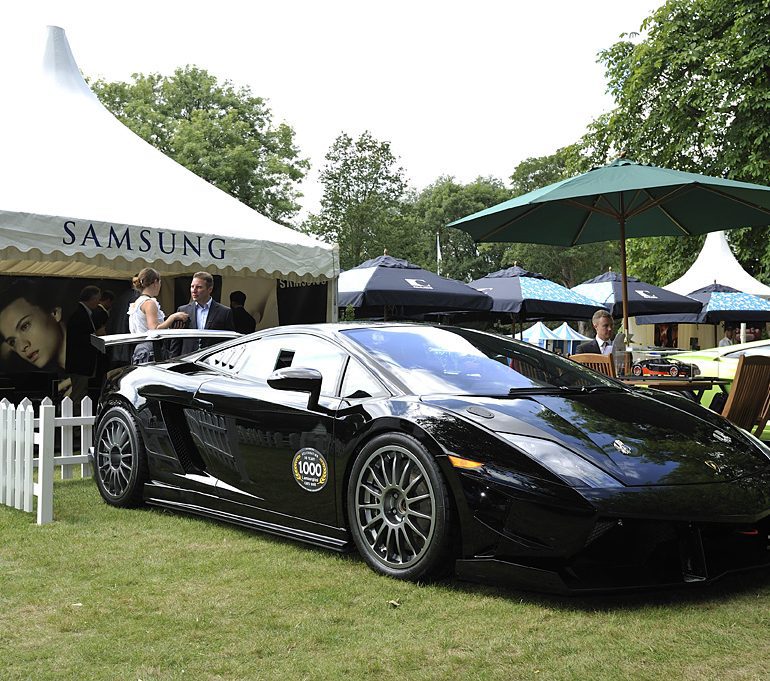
(716, 262)
(82, 195)
(567, 333)
(539, 334)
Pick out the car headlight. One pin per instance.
(570, 467)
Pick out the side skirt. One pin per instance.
(160, 495)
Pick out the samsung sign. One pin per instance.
(135, 240)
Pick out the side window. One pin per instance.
(317, 353)
(276, 352)
(359, 383)
(261, 356)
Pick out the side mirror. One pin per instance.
(298, 379)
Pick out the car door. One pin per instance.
(270, 451)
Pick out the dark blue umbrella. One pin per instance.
(387, 286)
(643, 298)
(720, 303)
(529, 295)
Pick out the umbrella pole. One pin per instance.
(624, 271)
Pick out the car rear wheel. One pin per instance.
(120, 459)
(398, 507)
(636, 371)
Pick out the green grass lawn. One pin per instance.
(103, 593)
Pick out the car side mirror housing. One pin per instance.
(298, 379)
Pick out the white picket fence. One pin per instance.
(27, 442)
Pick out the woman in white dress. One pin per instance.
(144, 314)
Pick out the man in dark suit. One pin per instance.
(244, 322)
(81, 357)
(101, 313)
(602, 344)
(204, 313)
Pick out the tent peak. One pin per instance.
(717, 256)
(59, 64)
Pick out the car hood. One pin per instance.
(636, 438)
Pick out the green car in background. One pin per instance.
(722, 363)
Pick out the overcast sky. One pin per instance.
(458, 88)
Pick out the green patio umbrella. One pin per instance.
(621, 200)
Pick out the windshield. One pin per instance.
(755, 350)
(431, 359)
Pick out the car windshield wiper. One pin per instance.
(594, 388)
(565, 389)
(535, 390)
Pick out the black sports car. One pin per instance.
(439, 449)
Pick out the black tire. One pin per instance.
(399, 509)
(636, 371)
(120, 459)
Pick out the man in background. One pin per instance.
(81, 356)
(102, 312)
(602, 344)
(204, 313)
(243, 321)
(729, 337)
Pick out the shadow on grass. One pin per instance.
(729, 587)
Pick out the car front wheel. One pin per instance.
(398, 507)
(120, 459)
(636, 371)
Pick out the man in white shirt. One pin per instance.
(602, 344)
(729, 337)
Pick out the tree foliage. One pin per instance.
(693, 94)
(361, 204)
(221, 133)
(443, 202)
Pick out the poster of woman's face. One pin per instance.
(33, 316)
(34, 333)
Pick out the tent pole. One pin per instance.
(624, 271)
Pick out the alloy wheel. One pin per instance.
(395, 507)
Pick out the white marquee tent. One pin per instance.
(716, 262)
(83, 196)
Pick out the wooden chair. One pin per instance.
(604, 364)
(747, 403)
(764, 416)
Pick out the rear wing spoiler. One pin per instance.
(101, 343)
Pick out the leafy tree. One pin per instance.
(221, 133)
(442, 202)
(566, 266)
(694, 95)
(534, 173)
(361, 202)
